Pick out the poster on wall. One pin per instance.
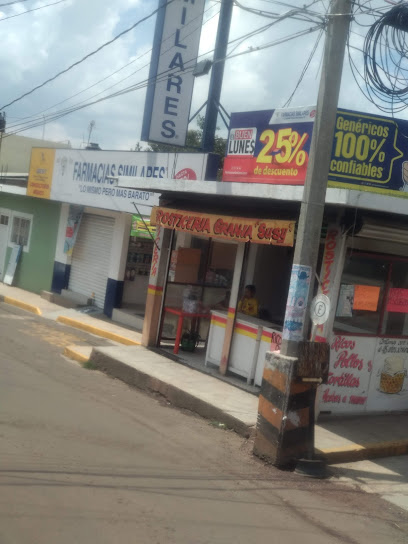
(389, 383)
(295, 314)
(351, 368)
(40, 173)
(346, 301)
(397, 300)
(89, 178)
(366, 297)
(71, 231)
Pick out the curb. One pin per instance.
(75, 355)
(22, 305)
(97, 331)
(349, 454)
(176, 396)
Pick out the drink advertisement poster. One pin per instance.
(270, 146)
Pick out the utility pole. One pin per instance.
(217, 73)
(314, 197)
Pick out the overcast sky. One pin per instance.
(36, 45)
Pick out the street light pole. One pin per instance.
(312, 208)
(217, 73)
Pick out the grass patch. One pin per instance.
(89, 365)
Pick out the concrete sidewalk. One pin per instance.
(340, 440)
(37, 305)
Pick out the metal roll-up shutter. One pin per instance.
(91, 257)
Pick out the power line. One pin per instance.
(88, 55)
(160, 77)
(30, 10)
(11, 3)
(305, 68)
(122, 68)
(302, 14)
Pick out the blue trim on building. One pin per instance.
(60, 277)
(114, 294)
(154, 65)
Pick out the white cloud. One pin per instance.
(37, 45)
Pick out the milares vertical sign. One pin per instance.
(174, 55)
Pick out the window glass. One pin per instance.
(395, 320)
(20, 231)
(361, 296)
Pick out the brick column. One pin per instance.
(283, 415)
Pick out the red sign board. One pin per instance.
(270, 146)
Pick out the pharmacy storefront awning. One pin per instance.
(239, 229)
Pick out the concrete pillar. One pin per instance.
(119, 251)
(62, 261)
(229, 327)
(251, 264)
(157, 280)
(282, 433)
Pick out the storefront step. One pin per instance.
(64, 301)
(128, 317)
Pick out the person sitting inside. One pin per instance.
(249, 304)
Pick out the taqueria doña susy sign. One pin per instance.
(240, 229)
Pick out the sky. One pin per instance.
(38, 44)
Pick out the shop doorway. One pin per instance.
(137, 273)
(199, 280)
(4, 231)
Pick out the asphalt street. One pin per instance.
(87, 459)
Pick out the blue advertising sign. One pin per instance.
(370, 153)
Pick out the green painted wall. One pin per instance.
(35, 269)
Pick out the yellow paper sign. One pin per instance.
(40, 175)
(366, 297)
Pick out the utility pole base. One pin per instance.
(282, 434)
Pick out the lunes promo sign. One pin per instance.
(270, 146)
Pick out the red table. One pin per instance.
(181, 315)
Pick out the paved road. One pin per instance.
(86, 459)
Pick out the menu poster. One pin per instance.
(366, 297)
(351, 363)
(346, 300)
(397, 300)
(389, 382)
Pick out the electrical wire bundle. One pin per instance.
(385, 54)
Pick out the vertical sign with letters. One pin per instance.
(174, 55)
